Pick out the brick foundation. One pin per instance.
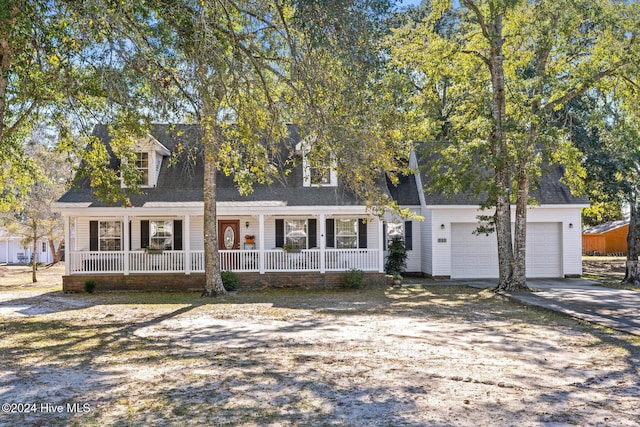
(195, 282)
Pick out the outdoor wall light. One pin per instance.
(441, 226)
(570, 225)
(246, 224)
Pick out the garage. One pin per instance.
(476, 256)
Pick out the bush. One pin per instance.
(397, 257)
(353, 278)
(89, 286)
(229, 280)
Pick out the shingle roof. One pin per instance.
(550, 191)
(607, 226)
(185, 184)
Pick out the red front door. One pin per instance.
(229, 234)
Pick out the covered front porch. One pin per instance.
(187, 262)
(154, 241)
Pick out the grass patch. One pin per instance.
(293, 356)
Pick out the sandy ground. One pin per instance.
(422, 356)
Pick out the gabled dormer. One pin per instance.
(149, 153)
(319, 171)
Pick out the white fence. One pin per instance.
(236, 260)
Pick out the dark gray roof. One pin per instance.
(550, 191)
(179, 183)
(607, 226)
(405, 193)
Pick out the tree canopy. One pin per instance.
(486, 79)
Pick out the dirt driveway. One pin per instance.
(416, 356)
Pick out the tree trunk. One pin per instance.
(34, 259)
(55, 252)
(519, 281)
(632, 275)
(498, 142)
(213, 280)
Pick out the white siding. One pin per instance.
(82, 234)
(568, 238)
(136, 238)
(197, 233)
(427, 242)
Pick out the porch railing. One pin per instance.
(277, 260)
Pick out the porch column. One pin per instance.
(381, 238)
(323, 242)
(67, 245)
(261, 243)
(125, 224)
(186, 235)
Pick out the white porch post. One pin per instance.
(323, 242)
(125, 224)
(186, 234)
(261, 242)
(381, 238)
(67, 245)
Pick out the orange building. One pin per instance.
(609, 238)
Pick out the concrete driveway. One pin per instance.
(583, 299)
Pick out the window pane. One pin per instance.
(142, 164)
(320, 175)
(346, 233)
(110, 235)
(395, 230)
(295, 231)
(161, 234)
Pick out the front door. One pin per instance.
(228, 234)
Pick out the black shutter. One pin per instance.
(93, 236)
(144, 234)
(384, 235)
(331, 233)
(408, 235)
(279, 233)
(362, 233)
(177, 235)
(313, 233)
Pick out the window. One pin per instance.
(346, 233)
(142, 164)
(110, 236)
(44, 246)
(161, 234)
(295, 232)
(319, 172)
(402, 230)
(320, 175)
(395, 230)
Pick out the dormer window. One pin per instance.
(149, 154)
(320, 173)
(319, 170)
(142, 164)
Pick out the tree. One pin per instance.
(241, 69)
(606, 128)
(42, 82)
(488, 79)
(35, 219)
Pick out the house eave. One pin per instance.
(543, 206)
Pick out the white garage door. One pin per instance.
(472, 257)
(544, 249)
(477, 256)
